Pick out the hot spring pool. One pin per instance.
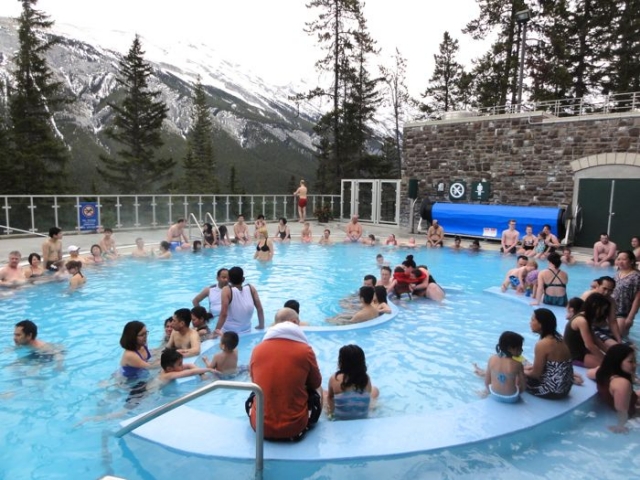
(421, 361)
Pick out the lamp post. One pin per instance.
(522, 17)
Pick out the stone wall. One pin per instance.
(526, 157)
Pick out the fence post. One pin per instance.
(32, 207)
(136, 204)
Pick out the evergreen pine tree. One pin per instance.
(233, 183)
(40, 155)
(137, 125)
(200, 174)
(443, 84)
(7, 173)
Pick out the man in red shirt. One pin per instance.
(285, 367)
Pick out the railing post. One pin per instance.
(264, 207)
(118, 205)
(170, 210)
(154, 222)
(32, 207)
(252, 202)
(136, 204)
(6, 208)
(185, 203)
(200, 208)
(55, 210)
(78, 227)
(227, 210)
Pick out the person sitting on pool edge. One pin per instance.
(504, 376)
(226, 361)
(285, 367)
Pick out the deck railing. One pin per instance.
(38, 213)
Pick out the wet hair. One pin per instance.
(630, 255)
(353, 367)
(605, 278)
(32, 256)
(378, 256)
(367, 293)
(386, 267)
(293, 305)
(53, 231)
(575, 304)
(595, 307)
(547, 321)
(230, 340)
(236, 275)
(169, 358)
(219, 272)
(184, 315)
(166, 245)
(201, 312)
(373, 279)
(223, 231)
(381, 294)
(73, 264)
(129, 337)
(409, 262)
(28, 328)
(509, 340)
(197, 245)
(555, 259)
(283, 220)
(612, 363)
(372, 237)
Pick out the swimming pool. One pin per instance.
(420, 361)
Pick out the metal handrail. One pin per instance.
(192, 216)
(167, 407)
(8, 229)
(208, 216)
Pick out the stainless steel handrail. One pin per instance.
(167, 407)
(7, 228)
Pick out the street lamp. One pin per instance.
(522, 17)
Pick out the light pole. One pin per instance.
(522, 17)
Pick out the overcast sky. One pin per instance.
(267, 35)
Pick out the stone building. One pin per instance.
(589, 165)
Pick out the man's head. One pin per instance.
(522, 260)
(14, 259)
(74, 251)
(240, 218)
(287, 315)
(604, 238)
(605, 285)
(293, 305)
(354, 219)
(229, 341)
(171, 360)
(512, 224)
(108, 232)
(180, 221)
(369, 281)
(385, 274)
(223, 277)
(327, 232)
(181, 319)
(434, 222)
(55, 232)
(236, 276)
(366, 295)
(25, 332)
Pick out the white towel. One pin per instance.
(286, 330)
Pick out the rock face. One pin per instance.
(529, 159)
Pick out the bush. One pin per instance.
(324, 213)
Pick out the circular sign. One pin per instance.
(88, 211)
(457, 190)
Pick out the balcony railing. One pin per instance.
(38, 213)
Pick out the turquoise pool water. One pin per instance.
(421, 362)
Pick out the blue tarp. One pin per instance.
(490, 220)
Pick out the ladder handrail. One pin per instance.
(7, 228)
(167, 407)
(192, 216)
(207, 215)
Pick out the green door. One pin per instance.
(608, 205)
(625, 212)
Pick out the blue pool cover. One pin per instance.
(490, 220)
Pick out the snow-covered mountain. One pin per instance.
(256, 116)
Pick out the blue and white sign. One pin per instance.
(88, 215)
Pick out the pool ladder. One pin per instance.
(167, 407)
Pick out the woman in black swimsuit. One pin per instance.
(264, 248)
(208, 237)
(284, 234)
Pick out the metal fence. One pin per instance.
(38, 213)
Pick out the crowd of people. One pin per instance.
(594, 336)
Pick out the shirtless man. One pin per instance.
(386, 279)
(551, 241)
(324, 239)
(510, 238)
(354, 230)
(241, 231)
(139, 251)
(435, 234)
(11, 275)
(176, 236)
(52, 248)
(301, 193)
(25, 333)
(183, 338)
(604, 252)
(108, 244)
(368, 311)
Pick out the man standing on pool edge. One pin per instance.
(301, 193)
(510, 238)
(285, 367)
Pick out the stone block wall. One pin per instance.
(526, 157)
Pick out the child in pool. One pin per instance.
(531, 280)
(515, 278)
(305, 234)
(173, 368)
(541, 246)
(350, 393)
(225, 362)
(504, 377)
